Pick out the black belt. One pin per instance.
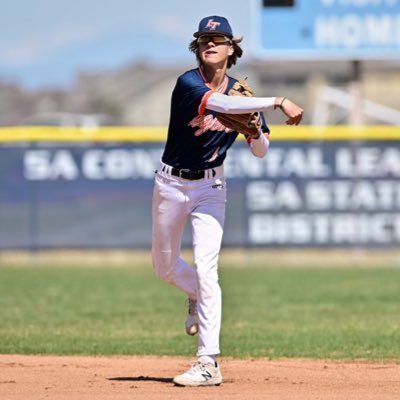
(189, 174)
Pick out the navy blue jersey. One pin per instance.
(196, 139)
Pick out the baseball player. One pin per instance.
(190, 183)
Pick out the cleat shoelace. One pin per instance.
(198, 366)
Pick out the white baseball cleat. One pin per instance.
(200, 374)
(192, 320)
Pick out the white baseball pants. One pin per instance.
(174, 201)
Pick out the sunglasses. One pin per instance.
(214, 39)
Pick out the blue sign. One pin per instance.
(327, 29)
(329, 193)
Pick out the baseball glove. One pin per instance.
(248, 124)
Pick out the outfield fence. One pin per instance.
(91, 188)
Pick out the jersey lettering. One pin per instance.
(207, 123)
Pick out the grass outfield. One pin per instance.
(338, 313)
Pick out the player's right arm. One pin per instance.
(242, 105)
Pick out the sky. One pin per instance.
(46, 43)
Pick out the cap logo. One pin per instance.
(212, 25)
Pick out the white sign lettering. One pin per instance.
(353, 31)
(96, 164)
(302, 162)
(368, 161)
(44, 165)
(324, 228)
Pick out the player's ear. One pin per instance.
(230, 51)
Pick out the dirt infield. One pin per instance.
(62, 378)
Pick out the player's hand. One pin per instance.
(291, 110)
(255, 120)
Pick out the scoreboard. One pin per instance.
(326, 29)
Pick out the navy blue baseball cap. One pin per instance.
(214, 24)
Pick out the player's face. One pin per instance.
(214, 49)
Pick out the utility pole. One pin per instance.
(356, 117)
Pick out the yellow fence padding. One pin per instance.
(158, 133)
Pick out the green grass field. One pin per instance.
(338, 313)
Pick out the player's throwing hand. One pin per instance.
(290, 109)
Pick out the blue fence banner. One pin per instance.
(305, 193)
